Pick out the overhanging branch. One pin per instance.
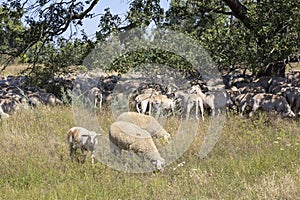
(240, 12)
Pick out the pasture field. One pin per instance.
(256, 158)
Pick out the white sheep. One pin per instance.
(3, 114)
(195, 100)
(83, 139)
(128, 136)
(146, 122)
(143, 101)
(216, 100)
(161, 102)
(188, 101)
(95, 97)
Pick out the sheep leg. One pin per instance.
(158, 112)
(150, 107)
(144, 106)
(197, 104)
(188, 109)
(201, 110)
(100, 101)
(95, 102)
(213, 111)
(82, 155)
(93, 157)
(72, 151)
(137, 107)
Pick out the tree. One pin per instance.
(258, 35)
(11, 31)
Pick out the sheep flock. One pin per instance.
(134, 129)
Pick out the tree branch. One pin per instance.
(84, 13)
(240, 12)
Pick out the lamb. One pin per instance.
(146, 122)
(128, 136)
(83, 139)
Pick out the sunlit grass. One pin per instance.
(255, 158)
(14, 69)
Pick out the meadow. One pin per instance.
(257, 158)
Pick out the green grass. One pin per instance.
(255, 158)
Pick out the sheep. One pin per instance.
(13, 104)
(43, 98)
(150, 91)
(143, 100)
(244, 102)
(3, 114)
(194, 99)
(128, 136)
(216, 100)
(95, 97)
(271, 102)
(159, 102)
(292, 95)
(83, 139)
(251, 88)
(146, 122)
(188, 101)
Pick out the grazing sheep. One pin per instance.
(128, 136)
(251, 88)
(271, 102)
(83, 139)
(264, 82)
(244, 102)
(292, 95)
(146, 122)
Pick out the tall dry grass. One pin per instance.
(255, 158)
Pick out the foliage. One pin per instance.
(11, 31)
(270, 35)
(256, 35)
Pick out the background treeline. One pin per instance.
(259, 35)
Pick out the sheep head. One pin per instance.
(160, 164)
